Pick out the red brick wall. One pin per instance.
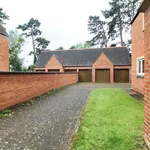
(20, 87)
(53, 63)
(4, 53)
(147, 78)
(137, 51)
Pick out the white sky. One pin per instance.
(63, 22)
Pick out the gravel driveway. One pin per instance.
(48, 124)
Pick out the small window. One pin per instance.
(140, 66)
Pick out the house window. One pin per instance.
(140, 66)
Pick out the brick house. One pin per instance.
(106, 65)
(138, 53)
(141, 60)
(4, 50)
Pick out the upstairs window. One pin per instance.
(140, 66)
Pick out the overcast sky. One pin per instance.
(63, 22)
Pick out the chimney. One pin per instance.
(113, 45)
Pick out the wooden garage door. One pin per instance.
(121, 75)
(70, 70)
(102, 75)
(85, 75)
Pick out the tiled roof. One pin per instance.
(87, 57)
(143, 7)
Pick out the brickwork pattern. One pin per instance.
(147, 78)
(137, 51)
(4, 53)
(101, 63)
(17, 88)
(53, 63)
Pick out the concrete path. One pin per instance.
(48, 124)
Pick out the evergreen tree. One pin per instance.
(120, 15)
(60, 48)
(41, 44)
(3, 16)
(116, 23)
(31, 29)
(99, 28)
(86, 44)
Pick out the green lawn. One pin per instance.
(112, 120)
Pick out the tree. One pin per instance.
(3, 16)
(116, 17)
(86, 44)
(16, 43)
(73, 47)
(40, 45)
(60, 48)
(99, 28)
(131, 8)
(119, 15)
(31, 68)
(31, 29)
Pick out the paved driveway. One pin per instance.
(48, 124)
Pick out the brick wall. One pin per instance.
(137, 51)
(53, 63)
(20, 87)
(147, 78)
(4, 53)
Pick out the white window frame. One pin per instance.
(140, 59)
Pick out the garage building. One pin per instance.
(101, 65)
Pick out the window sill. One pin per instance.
(140, 76)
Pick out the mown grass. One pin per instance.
(112, 120)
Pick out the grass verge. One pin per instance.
(112, 120)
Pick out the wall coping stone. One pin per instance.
(6, 72)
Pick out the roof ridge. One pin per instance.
(85, 49)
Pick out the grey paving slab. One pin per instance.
(48, 124)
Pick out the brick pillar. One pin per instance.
(93, 75)
(62, 70)
(147, 79)
(130, 75)
(111, 75)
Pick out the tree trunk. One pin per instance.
(121, 28)
(104, 36)
(34, 51)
